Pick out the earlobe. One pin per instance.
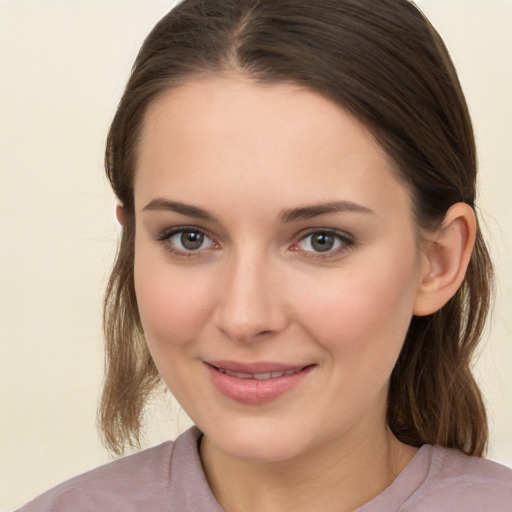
(447, 254)
(121, 214)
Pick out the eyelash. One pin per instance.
(344, 240)
(166, 236)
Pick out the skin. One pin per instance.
(257, 290)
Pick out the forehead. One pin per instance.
(235, 136)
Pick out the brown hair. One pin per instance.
(384, 62)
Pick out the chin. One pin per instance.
(269, 451)
(264, 443)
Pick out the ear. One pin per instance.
(446, 257)
(121, 214)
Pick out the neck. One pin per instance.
(342, 475)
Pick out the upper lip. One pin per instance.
(255, 367)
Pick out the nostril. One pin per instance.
(263, 333)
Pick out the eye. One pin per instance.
(186, 240)
(190, 240)
(324, 241)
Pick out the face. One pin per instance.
(276, 265)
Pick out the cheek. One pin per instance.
(362, 311)
(174, 303)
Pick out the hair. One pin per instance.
(383, 62)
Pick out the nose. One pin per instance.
(250, 305)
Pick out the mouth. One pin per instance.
(259, 376)
(257, 383)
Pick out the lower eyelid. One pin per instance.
(165, 239)
(345, 242)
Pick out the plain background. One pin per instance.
(63, 65)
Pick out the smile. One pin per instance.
(259, 376)
(256, 384)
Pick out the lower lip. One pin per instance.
(254, 391)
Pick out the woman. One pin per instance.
(300, 263)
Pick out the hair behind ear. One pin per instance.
(433, 396)
(130, 373)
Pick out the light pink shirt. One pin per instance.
(169, 478)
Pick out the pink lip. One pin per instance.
(254, 391)
(256, 367)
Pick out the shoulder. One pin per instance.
(457, 482)
(125, 485)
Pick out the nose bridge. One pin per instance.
(250, 306)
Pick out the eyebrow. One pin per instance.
(288, 215)
(316, 210)
(189, 210)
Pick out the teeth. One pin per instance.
(259, 376)
(236, 374)
(264, 376)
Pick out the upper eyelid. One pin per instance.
(345, 237)
(168, 232)
(331, 231)
(164, 238)
(347, 242)
(302, 232)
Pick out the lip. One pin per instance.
(253, 391)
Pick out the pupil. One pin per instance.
(322, 243)
(191, 240)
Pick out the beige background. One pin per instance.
(63, 65)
